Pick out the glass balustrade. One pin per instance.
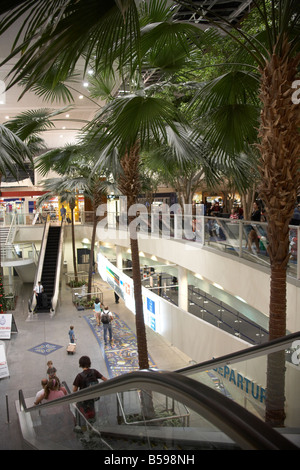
(226, 235)
(157, 410)
(244, 378)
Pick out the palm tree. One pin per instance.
(274, 58)
(77, 161)
(276, 66)
(124, 127)
(66, 189)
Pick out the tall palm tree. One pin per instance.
(274, 56)
(66, 189)
(77, 161)
(124, 127)
(64, 37)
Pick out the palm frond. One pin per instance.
(133, 118)
(13, 152)
(69, 31)
(33, 122)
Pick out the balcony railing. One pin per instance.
(222, 234)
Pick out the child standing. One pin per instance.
(51, 371)
(72, 334)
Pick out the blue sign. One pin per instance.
(151, 306)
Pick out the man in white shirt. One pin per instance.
(38, 292)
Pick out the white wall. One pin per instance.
(236, 276)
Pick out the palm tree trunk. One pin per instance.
(280, 151)
(72, 206)
(139, 313)
(129, 185)
(91, 264)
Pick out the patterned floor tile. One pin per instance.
(121, 357)
(45, 348)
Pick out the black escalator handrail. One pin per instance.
(248, 431)
(22, 401)
(248, 353)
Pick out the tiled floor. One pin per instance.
(43, 338)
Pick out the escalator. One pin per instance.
(155, 411)
(49, 269)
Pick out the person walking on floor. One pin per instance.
(97, 310)
(72, 334)
(106, 319)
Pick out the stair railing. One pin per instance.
(12, 231)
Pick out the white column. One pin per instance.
(182, 288)
(119, 257)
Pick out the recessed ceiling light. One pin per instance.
(67, 115)
(80, 97)
(85, 84)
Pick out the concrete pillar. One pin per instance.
(182, 288)
(119, 257)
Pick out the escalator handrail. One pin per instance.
(248, 353)
(245, 429)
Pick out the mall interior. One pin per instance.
(205, 299)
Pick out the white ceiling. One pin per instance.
(66, 127)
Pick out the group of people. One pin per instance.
(53, 389)
(103, 316)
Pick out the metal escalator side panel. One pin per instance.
(59, 261)
(40, 263)
(237, 423)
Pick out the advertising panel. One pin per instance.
(5, 325)
(118, 281)
(3, 363)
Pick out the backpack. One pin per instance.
(105, 318)
(87, 406)
(88, 379)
